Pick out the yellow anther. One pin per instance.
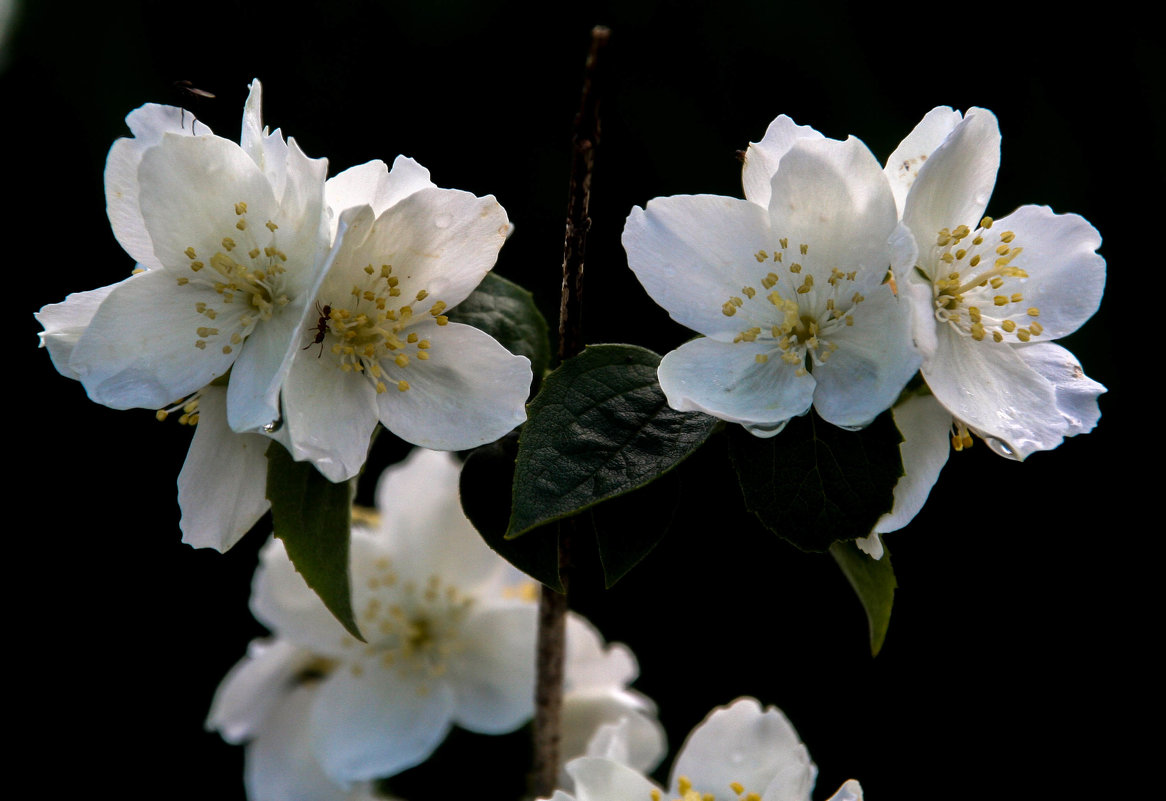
(1002, 250)
(254, 253)
(959, 254)
(1008, 326)
(978, 331)
(1000, 300)
(979, 240)
(228, 243)
(368, 269)
(422, 295)
(997, 282)
(761, 358)
(804, 249)
(423, 356)
(402, 385)
(684, 784)
(728, 309)
(795, 268)
(271, 226)
(161, 415)
(761, 255)
(200, 344)
(381, 387)
(241, 225)
(226, 348)
(412, 337)
(986, 223)
(974, 260)
(240, 208)
(748, 292)
(1007, 236)
(784, 242)
(1023, 335)
(183, 280)
(1036, 328)
(402, 360)
(947, 258)
(203, 331)
(190, 254)
(997, 336)
(437, 308)
(1017, 297)
(737, 787)
(441, 320)
(769, 281)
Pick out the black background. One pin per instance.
(1021, 633)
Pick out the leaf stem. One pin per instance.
(553, 606)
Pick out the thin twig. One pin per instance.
(553, 606)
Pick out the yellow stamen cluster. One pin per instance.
(976, 285)
(241, 271)
(188, 406)
(798, 312)
(686, 792)
(412, 629)
(369, 334)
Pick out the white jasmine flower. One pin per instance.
(740, 752)
(231, 244)
(451, 632)
(789, 286)
(379, 346)
(991, 296)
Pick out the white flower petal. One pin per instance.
(988, 387)
(1076, 393)
(590, 664)
(954, 184)
(469, 392)
(280, 765)
(586, 729)
(65, 322)
(493, 679)
(874, 361)
(743, 743)
(375, 185)
(912, 153)
(692, 253)
(369, 721)
(255, 687)
(282, 601)
(725, 380)
(223, 483)
(849, 791)
(330, 416)
(762, 158)
(442, 241)
(834, 196)
(139, 350)
(147, 123)
(603, 780)
(189, 188)
(423, 525)
(1066, 277)
(926, 429)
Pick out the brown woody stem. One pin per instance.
(552, 619)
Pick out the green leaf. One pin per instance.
(874, 582)
(312, 516)
(814, 483)
(625, 534)
(507, 312)
(600, 427)
(485, 489)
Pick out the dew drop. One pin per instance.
(273, 426)
(1000, 448)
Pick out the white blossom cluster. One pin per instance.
(269, 301)
(837, 279)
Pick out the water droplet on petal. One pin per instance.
(273, 426)
(443, 220)
(1000, 448)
